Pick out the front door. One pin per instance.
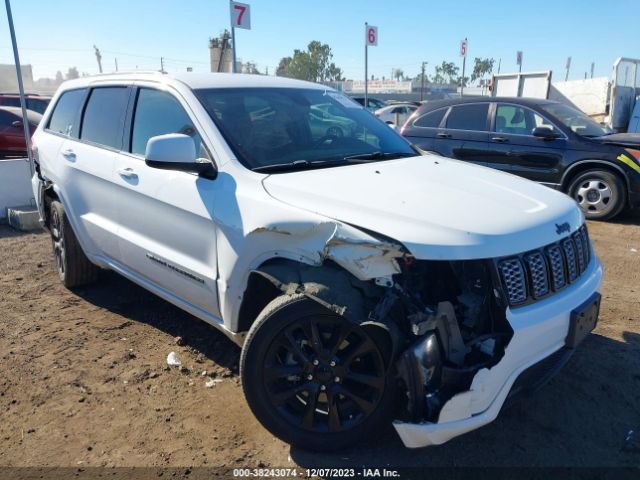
(167, 232)
(516, 150)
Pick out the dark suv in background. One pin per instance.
(548, 142)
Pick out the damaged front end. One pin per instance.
(453, 324)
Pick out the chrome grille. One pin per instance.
(537, 270)
(556, 264)
(513, 277)
(570, 255)
(537, 274)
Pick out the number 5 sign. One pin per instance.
(372, 35)
(240, 15)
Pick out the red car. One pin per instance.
(35, 102)
(12, 141)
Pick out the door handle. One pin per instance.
(69, 154)
(128, 173)
(443, 135)
(500, 139)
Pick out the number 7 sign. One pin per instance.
(240, 15)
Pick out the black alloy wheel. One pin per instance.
(312, 377)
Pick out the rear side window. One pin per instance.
(6, 119)
(159, 113)
(66, 112)
(469, 117)
(431, 119)
(104, 116)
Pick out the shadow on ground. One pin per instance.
(581, 418)
(8, 232)
(117, 294)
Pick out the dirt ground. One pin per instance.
(83, 381)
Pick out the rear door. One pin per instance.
(167, 236)
(516, 150)
(464, 134)
(422, 131)
(88, 163)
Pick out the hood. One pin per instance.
(621, 139)
(436, 207)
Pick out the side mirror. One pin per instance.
(545, 133)
(176, 151)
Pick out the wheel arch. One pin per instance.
(329, 284)
(49, 194)
(583, 166)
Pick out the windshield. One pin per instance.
(577, 121)
(271, 127)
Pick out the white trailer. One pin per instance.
(611, 101)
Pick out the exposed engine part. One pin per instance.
(443, 322)
(455, 326)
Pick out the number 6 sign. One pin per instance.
(240, 15)
(372, 35)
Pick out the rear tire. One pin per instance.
(73, 266)
(313, 378)
(600, 194)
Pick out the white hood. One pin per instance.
(436, 207)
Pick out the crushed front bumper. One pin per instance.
(539, 332)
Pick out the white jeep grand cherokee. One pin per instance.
(363, 281)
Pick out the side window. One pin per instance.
(64, 116)
(469, 117)
(103, 120)
(6, 119)
(159, 113)
(431, 119)
(518, 120)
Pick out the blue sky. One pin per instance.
(56, 35)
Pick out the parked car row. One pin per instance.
(545, 141)
(363, 280)
(12, 138)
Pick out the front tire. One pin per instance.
(600, 194)
(313, 378)
(73, 266)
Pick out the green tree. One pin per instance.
(72, 73)
(482, 67)
(283, 67)
(313, 64)
(446, 72)
(398, 74)
(418, 78)
(250, 67)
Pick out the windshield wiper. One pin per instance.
(295, 165)
(378, 155)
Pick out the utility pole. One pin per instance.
(422, 82)
(116, 64)
(593, 67)
(23, 103)
(161, 65)
(499, 64)
(464, 64)
(566, 77)
(366, 67)
(98, 57)
(233, 45)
